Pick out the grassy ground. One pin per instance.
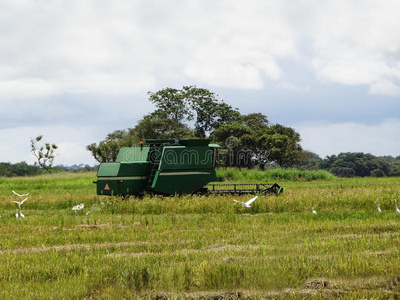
(200, 247)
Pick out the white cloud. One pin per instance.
(355, 43)
(54, 47)
(385, 87)
(327, 139)
(236, 75)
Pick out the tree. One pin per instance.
(377, 173)
(107, 150)
(192, 103)
(361, 164)
(234, 152)
(282, 144)
(343, 172)
(153, 127)
(209, 112)
(45, 153)
(395, 169)
(172, 104)
(255, 121)
(309, 161)
(255, 139)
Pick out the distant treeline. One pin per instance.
(352, 164)
(23, 169)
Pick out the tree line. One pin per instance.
(360, 165)
(8, 169)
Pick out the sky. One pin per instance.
(74, 71)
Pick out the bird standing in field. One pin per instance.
(20, 207)
(377, 206)
(78, 207)
(248, 203)
(397, 209)
(313, 211)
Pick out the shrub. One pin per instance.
(377, 173)
(343, 172)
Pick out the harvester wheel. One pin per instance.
(201, 192)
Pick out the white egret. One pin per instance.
(17, 215)
(397, 209)
(313, 211)
(20, 196)
(95, 207)
(248, 203)
(78, 207)
(91, 209)
(377, 204)
(20, 207)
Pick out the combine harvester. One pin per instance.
(170, 167)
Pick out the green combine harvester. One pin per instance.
(169, 167)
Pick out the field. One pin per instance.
(200, 247)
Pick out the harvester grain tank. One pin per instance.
(168, 167)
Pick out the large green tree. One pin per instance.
(171, 104)
(255, 141)
(154, 127)
(193, 104)
(282, 144)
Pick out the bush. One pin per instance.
(377, 173)
(343, 172)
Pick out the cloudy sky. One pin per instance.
(77, 70)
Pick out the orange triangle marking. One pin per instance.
(106, 187)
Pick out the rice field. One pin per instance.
(200, 247)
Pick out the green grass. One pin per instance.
(272, 175)
(200, 247)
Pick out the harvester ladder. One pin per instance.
(153, 171)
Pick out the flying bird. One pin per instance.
(248, 203)
(20, 196)
(377, 204)
(397, 209)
